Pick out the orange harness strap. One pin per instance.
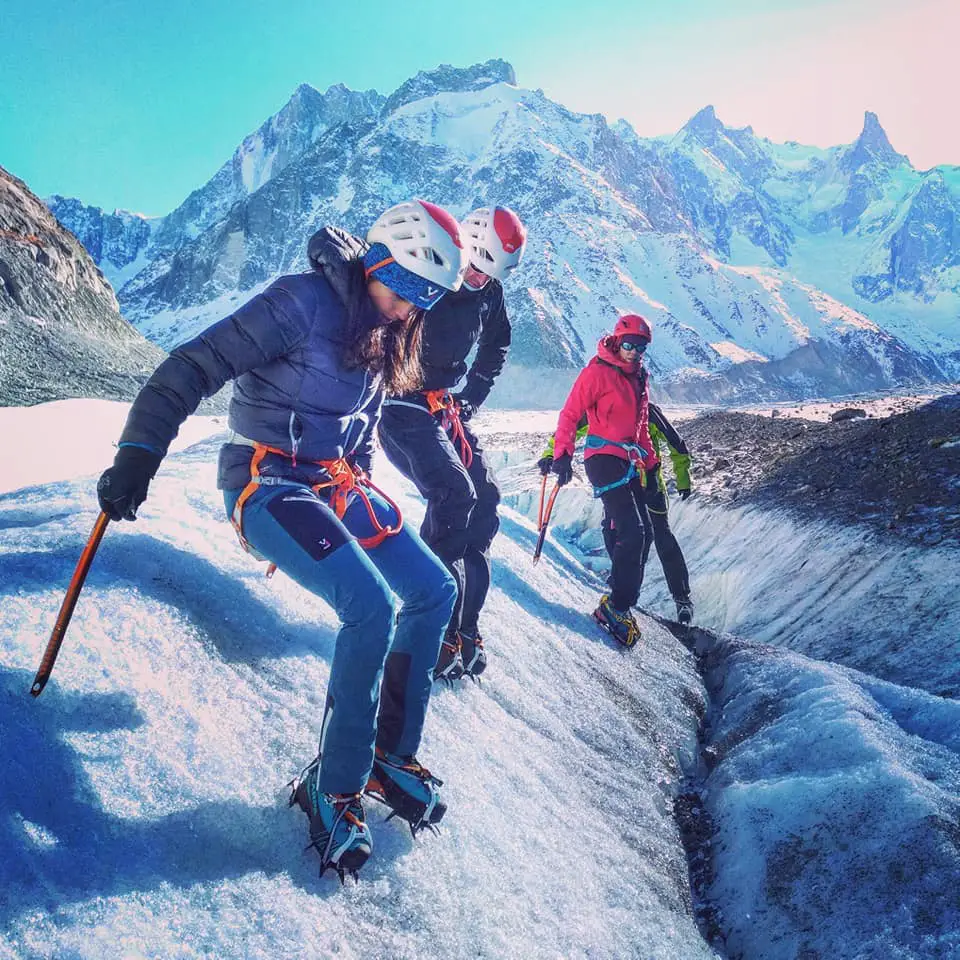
(440, 401)
(343, 481)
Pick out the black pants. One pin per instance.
(624, 524)
(668, 550)
(461, 518)
(656, 528)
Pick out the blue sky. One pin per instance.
(135, 105)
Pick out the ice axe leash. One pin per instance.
(69, 602)
(543, 515)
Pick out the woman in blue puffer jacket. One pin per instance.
(311, 358)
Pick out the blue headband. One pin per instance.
(420, 292)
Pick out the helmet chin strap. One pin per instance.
(473, 272)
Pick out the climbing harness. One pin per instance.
(635, 453)
(440, 401)
(345, 482)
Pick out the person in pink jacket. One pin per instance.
(612, 391)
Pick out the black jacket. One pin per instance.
(450, 331)
(659, 420)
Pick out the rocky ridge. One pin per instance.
(898, 472)
(61, 333)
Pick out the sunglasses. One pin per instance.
(633, 346)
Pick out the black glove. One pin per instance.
(123, 487)
(466, 408)
(563, 468)
(684, 494)
(544, 464)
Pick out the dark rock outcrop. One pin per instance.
(61, 333)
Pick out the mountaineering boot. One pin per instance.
(450, 663)
(473, 655)
(338, 830)
(618, 623)
(408, 788)
(684, 611)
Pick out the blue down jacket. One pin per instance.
(292, 390)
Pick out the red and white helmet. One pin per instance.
(495, 238)
(633, 324)
(424, 239)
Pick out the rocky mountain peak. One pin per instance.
(449, 79)
(61, 333)
(872, 147)
(704, 122)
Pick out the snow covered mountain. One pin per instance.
(61, 333)
(123, 243)
(858, 221)
(769, 270)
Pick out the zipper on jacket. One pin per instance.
(294, 439)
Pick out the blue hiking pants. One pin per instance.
(381, 658)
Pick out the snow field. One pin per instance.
(836, 814)
(144, 802)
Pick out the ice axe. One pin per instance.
(69, 602)
(543, 515)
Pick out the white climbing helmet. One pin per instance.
(424, 239)
(495, 238)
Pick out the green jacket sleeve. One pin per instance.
(661, 430)
(581, 433)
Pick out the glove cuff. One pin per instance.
(139, 458)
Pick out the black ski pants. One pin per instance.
(656, 529)
(461, 517)
(624, 524)
(668, 550)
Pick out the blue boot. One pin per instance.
(338, 830)
(618, 623)
(408, 788)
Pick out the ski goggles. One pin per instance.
(633, 346)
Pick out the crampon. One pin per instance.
(408, 789)
(338, 830)
(619, 624)
(450, 662)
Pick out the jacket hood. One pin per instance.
(609, 352)
(335, 253)
(338, 256)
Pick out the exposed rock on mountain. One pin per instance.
(61, 333)
(897, 473)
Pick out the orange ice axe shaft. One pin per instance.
(543, 516)
(69, 602)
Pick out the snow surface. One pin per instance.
(144, 812)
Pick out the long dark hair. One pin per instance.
(390, 349)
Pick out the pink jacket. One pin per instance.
(615, 398)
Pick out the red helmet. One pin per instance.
(632, 324)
